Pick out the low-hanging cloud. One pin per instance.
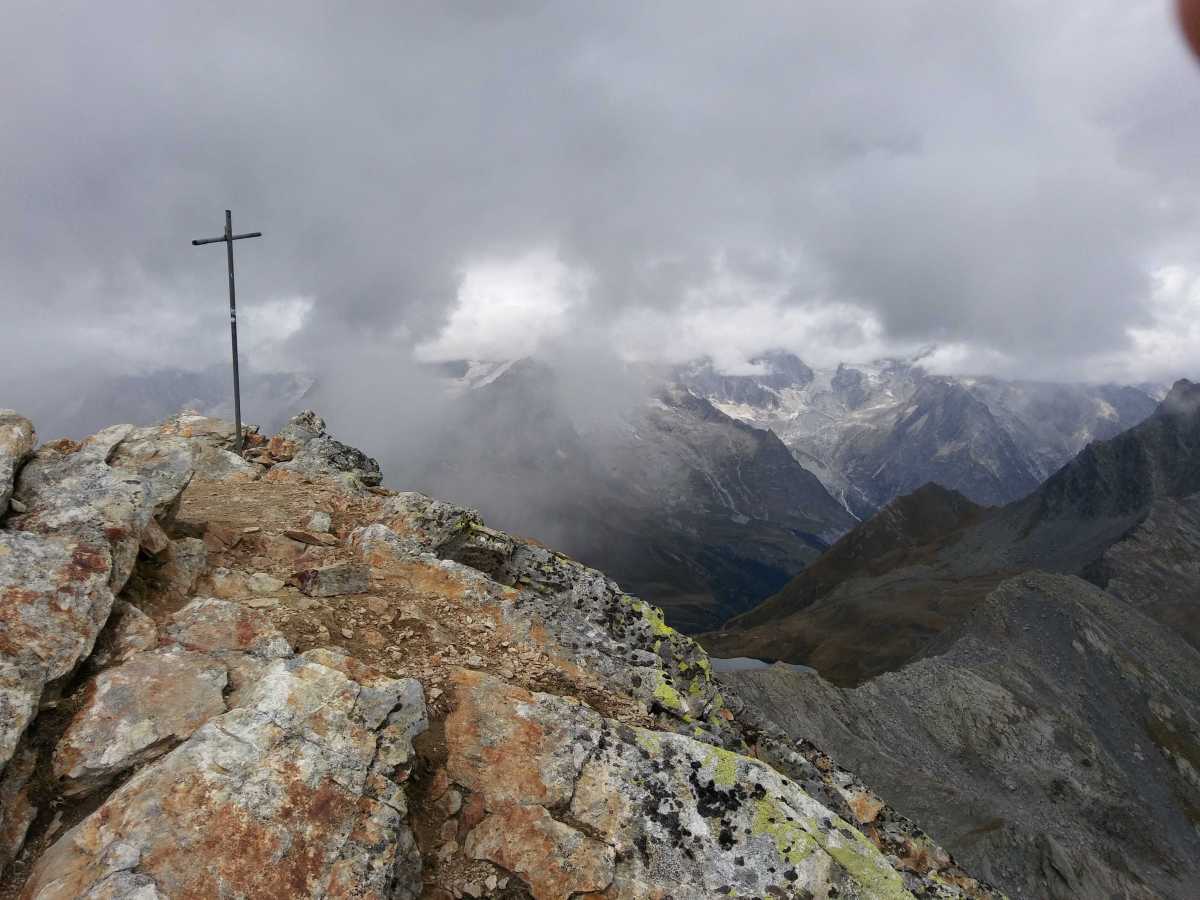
(1007, 180)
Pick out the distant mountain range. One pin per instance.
(874, 432)
(876, 597)
(1028, 675)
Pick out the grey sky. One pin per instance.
(1013, 182)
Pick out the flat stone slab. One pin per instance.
(339, 578)
(136, 712)
(209, 624)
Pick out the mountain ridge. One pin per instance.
(1067, 526)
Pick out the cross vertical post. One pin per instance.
(229, 237)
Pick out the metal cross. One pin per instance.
(229, 237)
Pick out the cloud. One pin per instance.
(1002, 179)
(506, 309)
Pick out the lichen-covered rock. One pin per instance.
(288, 796)
(577, 803)
(135, 712)
(17, 440)
(314, 452)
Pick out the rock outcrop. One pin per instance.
(574, 804)
(1051, 742)
(304, 446)
(312, 686)
(290, 795)
(17, 440)
(84, 511)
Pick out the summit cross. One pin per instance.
(228, 238)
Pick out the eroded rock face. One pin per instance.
(292, 795)
(603, 630)
(135, 712)
(84, 511)
(128, 631)
(17, 440)
(16, 810)
(314, 452)
(106, 492)
(54, 599)
(576, 803)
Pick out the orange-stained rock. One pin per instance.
(135, 712)
(283, 798)
(577, 805)
(211, 624)
(554, 859)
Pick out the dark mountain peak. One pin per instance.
(1182, 401)
(679, 397)
(1121, 477)
(894, 537)
(932, 504)
(847, 383)
(783, 369)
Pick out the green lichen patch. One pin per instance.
(791, 840)
(724, 765)
(669, 698)
(864, 863)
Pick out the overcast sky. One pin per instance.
(1012, 183)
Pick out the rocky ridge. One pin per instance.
(262, 675)
(878, 597)
(1052, 741)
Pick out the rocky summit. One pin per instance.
(260, 674)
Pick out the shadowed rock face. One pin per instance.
(877, 598)
(1051, 743)
(17, 441)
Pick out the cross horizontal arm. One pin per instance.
(236, 237)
